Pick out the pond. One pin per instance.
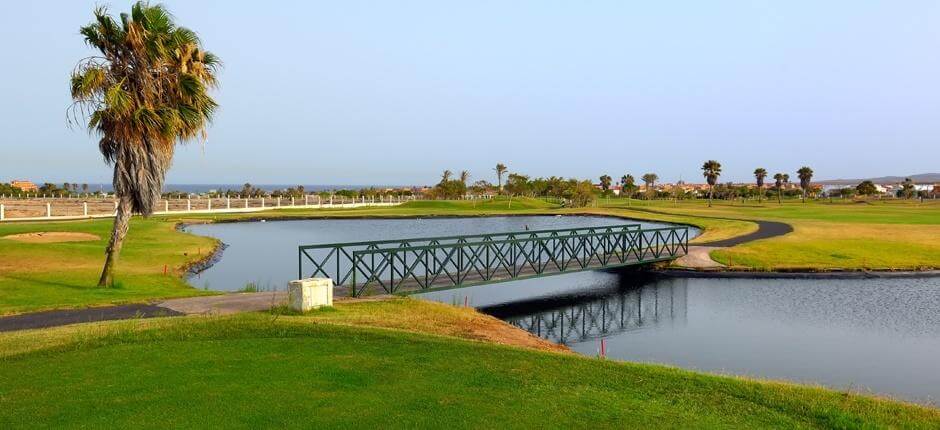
(870, 335)
(877, 335)
(264, 254)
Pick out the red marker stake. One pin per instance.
(603, 348)
(464, 301)
(164, 270)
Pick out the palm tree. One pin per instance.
(446, 176)
(146, 92)
(760, 173)
(806, 175)
(464, 176)
(711, 170)
(500, 170)
(778, 184)
(650, 180)
(606, 180)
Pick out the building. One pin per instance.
(26, 186)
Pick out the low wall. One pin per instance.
(64, 209)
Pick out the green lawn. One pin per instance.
(899, 235)
(324, 370)
(51, 275)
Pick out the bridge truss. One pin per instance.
(423, 264)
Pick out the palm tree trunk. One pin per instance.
(779, 197)
(121, 224)
(709, 195)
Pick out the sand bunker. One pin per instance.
(52, 237)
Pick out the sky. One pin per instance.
(394, 92)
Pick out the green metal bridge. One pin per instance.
(431, 263)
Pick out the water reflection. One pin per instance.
(632, 304)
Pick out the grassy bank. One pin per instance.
(328, 370)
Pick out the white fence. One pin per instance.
(66, 209)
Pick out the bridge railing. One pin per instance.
(445, 265)
(335, 260)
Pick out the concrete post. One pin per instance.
(85, 208)
(166, 206)
(189, 205)
(311, 293)
(306, 200)
(209, 205)
(262, 202)
(228, 203)
(246, 203)
(2, 213)
(48, 210)
(331, 201)
(278, 201)
(292, 200)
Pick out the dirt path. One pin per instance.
(698, 258)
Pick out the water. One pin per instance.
(265, 254)
(875, 335)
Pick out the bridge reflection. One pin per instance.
(632, 304)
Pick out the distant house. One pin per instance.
(26, 186)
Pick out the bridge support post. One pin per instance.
(311, 293)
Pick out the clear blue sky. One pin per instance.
(334, 92)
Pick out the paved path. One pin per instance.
(765, 230)
(75, 316)
(699, 258)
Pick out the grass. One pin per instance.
(42, 276)
(879, 235)
(325, 369)
(896, 235)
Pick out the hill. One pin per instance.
(918, 178)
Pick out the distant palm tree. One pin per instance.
(650, 180)
(446, 176)
(806, 175)
(711, 170)
(606, 180)
(760, 173)
(146, 92)
(500, 170)
(779, 179)
(464, 176)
